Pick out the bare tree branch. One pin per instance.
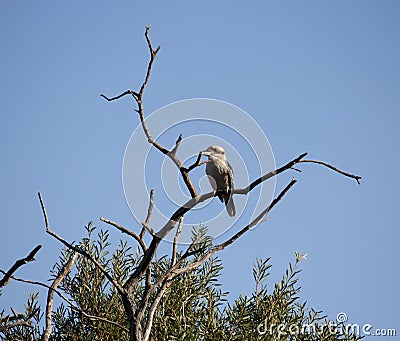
(269, 175)
(149, 213)
(116, 284)
(153, 54)
(228, 242)
(197, 163)
(24, 323)
(74, 307)
(175, 243)
(138, 97)
(126, 231)
(127, 92)
(353, 176)
(259, 217)
(177, 144)
(42, 285)
(296, 169)
(153, 308)
(50, 296)
(20, 262)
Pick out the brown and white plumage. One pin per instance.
(220, 174)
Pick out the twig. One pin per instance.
(353, 176)
(24, 323)
(153, 54)
(142, 232)
(140, 111)
(190, 251)
(126, 231)
(296, 169)
(50, 295)
(197, 163)
(31, 257)
(39, 284)
(116, 284)
(262, 221)
(149, 213)
(127, 92)
(177, 144)
(175, 243)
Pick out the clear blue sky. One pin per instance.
(321, 77)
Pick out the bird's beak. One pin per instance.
(205, 152)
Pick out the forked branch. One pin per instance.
(116, 284)
(123, 229)
(138, 97)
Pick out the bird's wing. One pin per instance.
(219, 177)
(230, 175)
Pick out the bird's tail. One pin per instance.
(230, 205)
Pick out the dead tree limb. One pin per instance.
(126, 231)
(116, 284)
(50, 295)
(149, 213)
(353, 176)
(20, 262)
(138, 97)
(175, 243)
(197, 163)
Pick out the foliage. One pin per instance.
(192, 308)
(26, 325)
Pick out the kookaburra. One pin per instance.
(220, 174)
